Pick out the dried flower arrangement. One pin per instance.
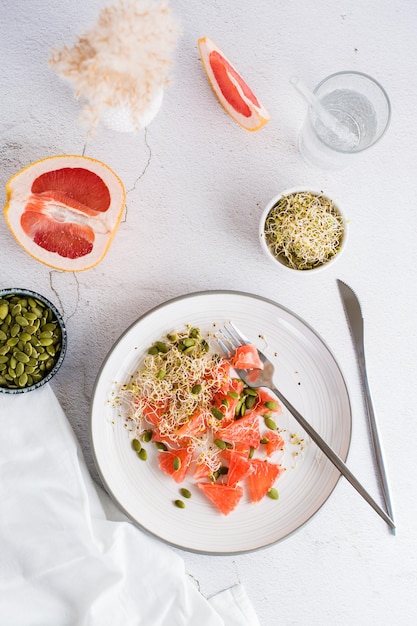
(121, 66)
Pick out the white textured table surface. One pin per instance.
(196, 184)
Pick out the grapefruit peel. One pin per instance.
(65, 210)
(233, 93)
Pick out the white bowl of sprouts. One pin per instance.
(303, 230)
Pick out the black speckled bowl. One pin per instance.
(59, 357)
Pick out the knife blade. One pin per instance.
(355, 321)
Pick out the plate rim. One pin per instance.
(210, 292)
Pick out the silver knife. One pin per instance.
(356, 325)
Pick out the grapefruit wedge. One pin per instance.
(233, 92)
(64, 210)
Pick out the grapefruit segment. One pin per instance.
(246, 357)
(262, 477)
(225, 498)
(233, 93)
(65, 210)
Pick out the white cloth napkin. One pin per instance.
(63, 561)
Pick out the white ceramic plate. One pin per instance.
(308, 375)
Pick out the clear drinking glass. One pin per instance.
(363, 111)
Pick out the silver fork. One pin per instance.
(229, 339)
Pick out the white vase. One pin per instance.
(119, 118)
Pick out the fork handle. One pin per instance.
(375, 438)
(333, 457)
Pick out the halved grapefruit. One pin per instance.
(233, 92)
(65, 210)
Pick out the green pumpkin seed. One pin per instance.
(176, 464)
(162, 347)
(161, 374)
(30, 316)
(185, 493)
(20, 368)
(273, 493)
(153, 350)
(179, 504)
(4, 310)
(13, 362)
(47, 341)
(3, 335)
(216, 413)
(220, 444)
(161, 446)
(269, 423)
(13, 341)
(250, 402)
(48, 326)
(146, 436)
(21, 356)
(196, 389)
(51, 350)
(142, 454)
(188, 342)
(272, 405)
(28, 349)
(4, 358)
(22, 321)
(136, 445)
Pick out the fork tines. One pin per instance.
(231, 338)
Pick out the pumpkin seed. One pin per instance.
(136, 445)
(23, 379)
(250, 402)
(20, 368)
(185, 493)
(272, 405)
(196, 389)
(216, 413)
(176, 464)
(22, 321)
(269, 423)
(273, 493)
(21, 356)
(179, 504)
(220, 444)
(146, 436)
(142, 454)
